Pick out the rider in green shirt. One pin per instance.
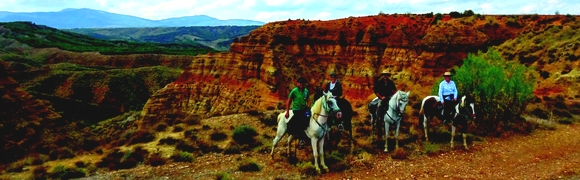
(299, 98)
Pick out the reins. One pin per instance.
(396, 112)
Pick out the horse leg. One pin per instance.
(464, 140)
(372, 128)
(281, 130)
(386, 136)
(425, 127)
(452, 134)
(289, 144)
(314, 144)
(397, 135)
(321, 153)
(276, 140)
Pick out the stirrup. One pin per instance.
(302, 143)
(340, 127)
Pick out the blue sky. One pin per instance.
(278, 10)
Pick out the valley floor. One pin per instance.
(541, 155)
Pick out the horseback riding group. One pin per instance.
(312, 122)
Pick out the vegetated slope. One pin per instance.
(51, 96)
(217, 37)
(40, 36)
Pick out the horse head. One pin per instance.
(399, 101)
(467, 106)
(330, 105)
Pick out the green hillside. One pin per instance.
(217, 37)
(40, 36)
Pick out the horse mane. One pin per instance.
(316, 108)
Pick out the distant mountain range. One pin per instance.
(90, 18)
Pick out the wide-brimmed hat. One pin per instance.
(447, 74)
(332, 74)
(386, 72)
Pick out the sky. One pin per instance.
(280, 10)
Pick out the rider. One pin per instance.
(299, 98)
(334, 86)
(447, 96)
(384, 89)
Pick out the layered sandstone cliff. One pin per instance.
(262, 67)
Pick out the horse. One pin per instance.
(322, 109)
(345, 122)
(394, 114)
(465, 109)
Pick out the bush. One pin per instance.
(142, 136)
(269, 118)
(244, 134)
(181, 156)
(156, 160)
(177, 128)
(39, 173)
(161, 127)
(168, 141)
(223, 176)
(501, 88)
(248, 166)
(307, 168)
(61, 172)
(218, 136)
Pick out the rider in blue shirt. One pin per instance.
(447, 96)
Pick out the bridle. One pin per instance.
(397, 111)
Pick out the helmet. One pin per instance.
(302, 80)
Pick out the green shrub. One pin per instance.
(307, 168)
(62, 172)
(501, 88)
(432, 148)
(244, 134)
(248, 166)
(182, 156)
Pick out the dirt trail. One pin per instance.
(541, 155)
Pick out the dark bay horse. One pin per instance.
(345, 121)
(465, 109)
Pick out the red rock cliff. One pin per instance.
(262, 67)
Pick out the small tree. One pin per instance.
(501, 89)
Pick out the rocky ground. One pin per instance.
(544, 154)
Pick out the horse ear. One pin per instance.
(408, 93)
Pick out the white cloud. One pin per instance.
(528, 9)
(322, 16)
(103, 3)
(247, 4)
(275, 2)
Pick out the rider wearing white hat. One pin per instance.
(447, 96)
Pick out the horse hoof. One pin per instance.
(386, 150)
(318, 171)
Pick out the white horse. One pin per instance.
(394, 115)
(465, 109)
(317, 129)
